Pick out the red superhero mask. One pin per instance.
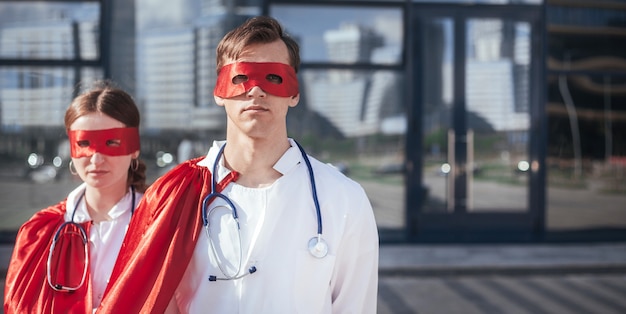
(111, 142)
(274, 78)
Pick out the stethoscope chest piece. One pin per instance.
(318, 247)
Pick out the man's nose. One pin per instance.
(256, 91)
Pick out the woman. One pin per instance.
(64, 254)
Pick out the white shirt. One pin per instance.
(277, 223)
(105, 238)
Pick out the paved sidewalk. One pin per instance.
(435, 260)
(503, 279)
(486, 279)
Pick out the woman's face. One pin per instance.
(99, 170)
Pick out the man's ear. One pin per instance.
(294, 100)
(219, 100)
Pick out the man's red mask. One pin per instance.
(274, 78)
(111, 142)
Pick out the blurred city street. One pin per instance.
(431, 279)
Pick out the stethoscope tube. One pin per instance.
(317, 245)
(215, 194)
(55, 238)
(84, 238)
(318, 211)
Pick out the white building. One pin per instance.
(34, 97)
(494, 92)
(176, 67)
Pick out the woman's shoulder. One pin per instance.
(55, 211)
(44, 219)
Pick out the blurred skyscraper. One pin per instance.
(353, 101)
(177, 65)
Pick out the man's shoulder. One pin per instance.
(332, 177)
(331, 171)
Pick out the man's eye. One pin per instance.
(113, 143)
(273, 78)
(83, 143)
(238, 79)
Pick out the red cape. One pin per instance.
(160, 241)
(27, 289)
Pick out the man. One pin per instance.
(238, 231)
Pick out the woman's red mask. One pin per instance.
(111, 142)
(274, 78)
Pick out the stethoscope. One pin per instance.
(317, 245)
(83, 234)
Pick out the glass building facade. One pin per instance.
(465, 121)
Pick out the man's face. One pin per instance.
(275, 78)
(259, 110)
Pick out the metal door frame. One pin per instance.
(460, 225)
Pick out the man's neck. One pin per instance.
(254, 160)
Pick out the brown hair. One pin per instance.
(256, 30)
(106, 98)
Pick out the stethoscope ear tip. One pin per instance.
(318, 247)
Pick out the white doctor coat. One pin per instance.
(277, 223)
